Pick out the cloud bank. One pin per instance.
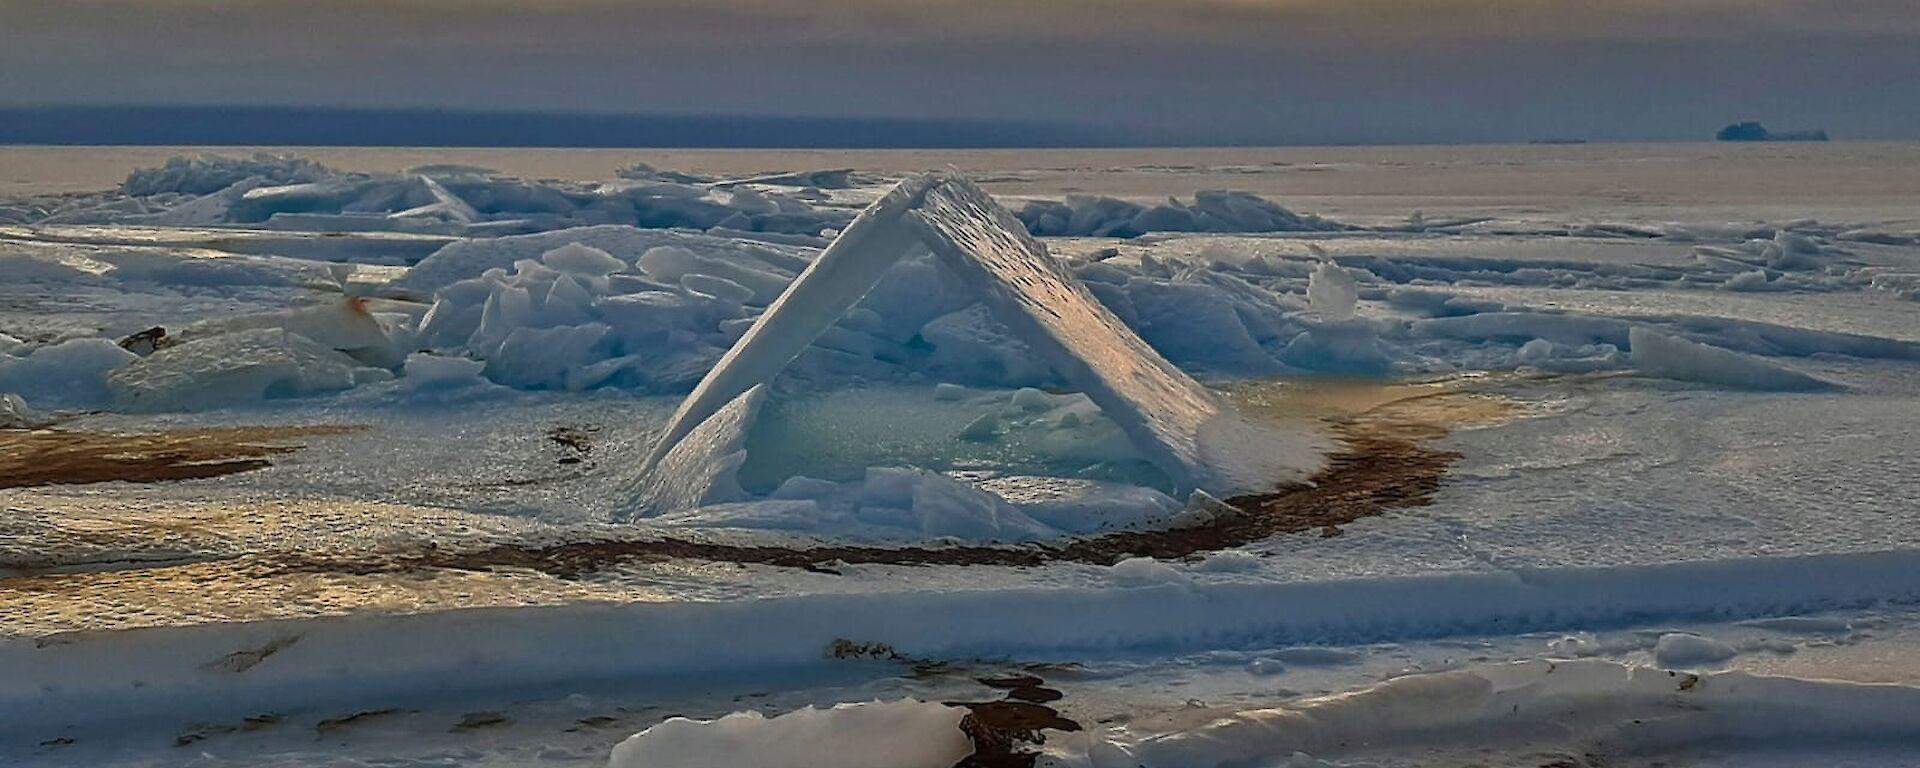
(1194, 71)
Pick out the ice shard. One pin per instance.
(1182, 427)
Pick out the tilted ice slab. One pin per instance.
(1183, 428)
(1671, 357)
(1177, 424)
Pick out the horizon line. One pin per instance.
(272, 125)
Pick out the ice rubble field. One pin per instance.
(1705, 465)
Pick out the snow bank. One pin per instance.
(878, 734)
(92, 676)
(1670, 357)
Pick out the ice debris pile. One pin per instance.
(654, 309)
(293, 193)
(324, 348)
(1209, 211)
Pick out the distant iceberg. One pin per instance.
(1753, 131)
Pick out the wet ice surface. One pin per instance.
(1591, 468)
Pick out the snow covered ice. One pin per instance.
(302, 464)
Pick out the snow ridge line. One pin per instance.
(167, 671)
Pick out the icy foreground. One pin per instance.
(1605, 707)
(1601, 490)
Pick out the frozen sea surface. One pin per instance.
(1686, 521)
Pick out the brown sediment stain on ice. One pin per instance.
(43, 457)
(259, 587)
(248, 658)
(1008, 732)
(1385, 461)
(333, 725)
(391, 560)
(1005, 732)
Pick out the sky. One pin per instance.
(1153, 71)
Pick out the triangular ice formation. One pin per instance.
(1180, 426)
